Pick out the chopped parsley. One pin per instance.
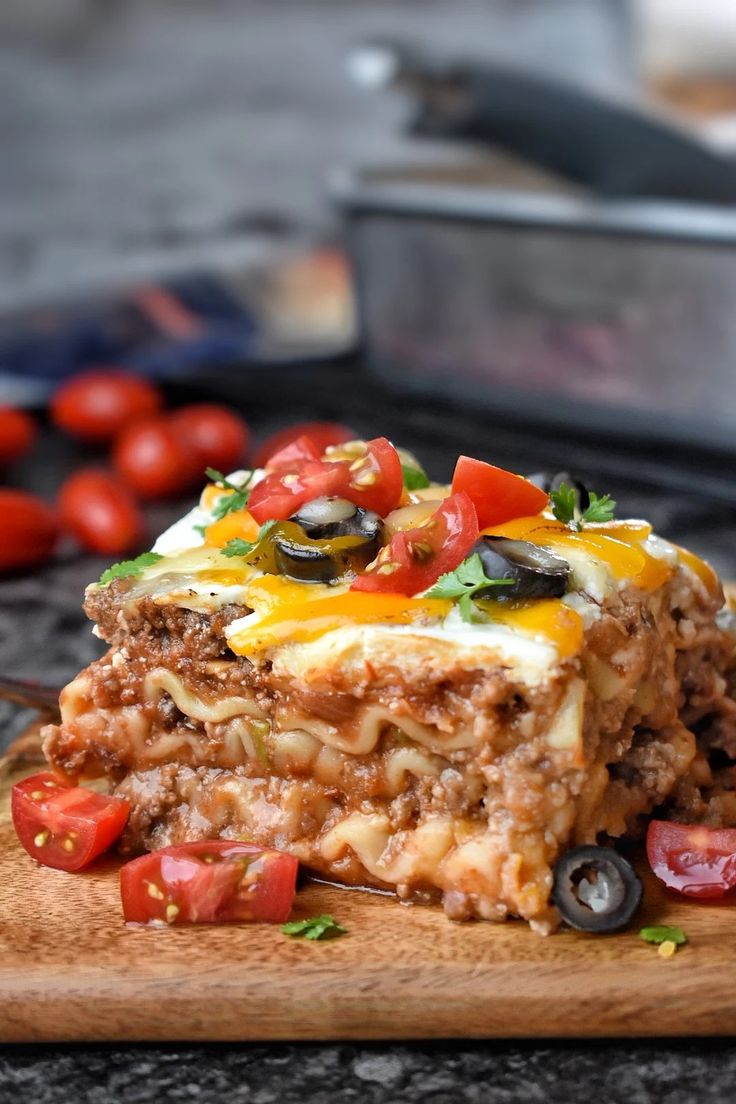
(129, 567)
(237, 500)
(238, 546)
(415, 479)
(316, 927)
(663, 933)
(463, 583)
(565, 508)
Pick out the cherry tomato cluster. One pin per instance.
(154, 454)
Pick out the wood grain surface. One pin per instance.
(71, 970)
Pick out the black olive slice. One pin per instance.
(536, 572)
(307, 560)
(324, 518)
(595, 889)
(552, 481)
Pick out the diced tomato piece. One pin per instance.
(414, 560)
(321, 434)
(498, 495)
(370, 478)
(209, 882)
(293, 453)
(694, 860)
(65, 826)
(375, 480)
(282, 492)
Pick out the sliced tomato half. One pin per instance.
(413, 560)
(694, 860)
(370, 477)
(498, 495)
(209, 882)
(65, 826)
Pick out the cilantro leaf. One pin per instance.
(316, 927)
(237, 500)
(462, 584)
(563, 503)
(600, 509)
(414, 478)
(565, 508)
(201, 529)
(129, 567)
(238, 546)
(662, 933)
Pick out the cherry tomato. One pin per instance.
(97, 405)
(300, 449)
(209, 882)
(694, 860)
(321, 434)
(98, 509)
(65, 826)
(152, 457)
(413, 560)
(371, 477)
(498, 495)
(18, 431)
(29, 530)
(218, 436)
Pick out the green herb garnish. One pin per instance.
(316, 927)
(238, 546)
(129, 567)
(463, 583)
(414, 478)
(663, 933)
(201, 529)
(565, 508)
(228, 504)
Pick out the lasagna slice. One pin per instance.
(425, 689)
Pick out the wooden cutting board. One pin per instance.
(71, 970)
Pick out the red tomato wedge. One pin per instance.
(293, 453)
(209, 882)
(413, 560)
(371, 478)
(498, 495)
(29, 530)
(321, 434)
(694, 860)
(65, 826)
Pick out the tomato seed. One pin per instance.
(172, 911)
(37, 795)
(40, 839)
(155, 892)
(368, 479)
(68, 844)
(387, 569)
